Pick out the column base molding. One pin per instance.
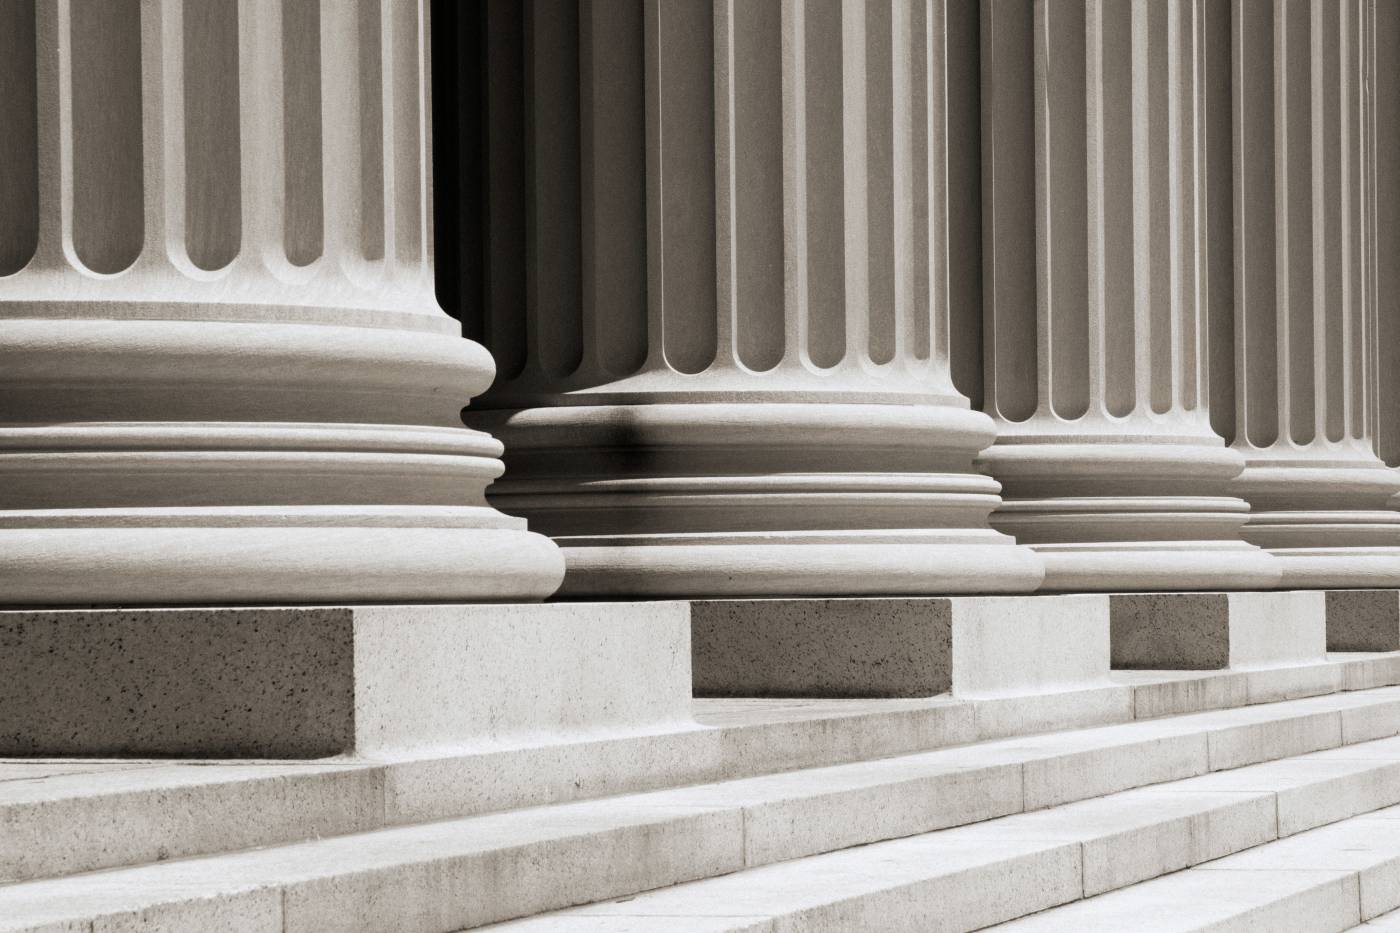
(796, 564)
(172, 557)
(1148, 508)
(1339, 568)
(760, 499)
(1119, 566)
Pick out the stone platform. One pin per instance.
(313, 682)
(899, 647)
(397, 680)
(1363, 620)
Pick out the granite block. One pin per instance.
(314, 682)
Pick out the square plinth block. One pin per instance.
(1213, 631)
(970, 646)
(313, 682)
(1363, 620)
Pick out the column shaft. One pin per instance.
(223, 374)
(1304, 328)
(1095, 285)
(717, 286)
(1382, 54)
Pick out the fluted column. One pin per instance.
(1095, 277)
(224, 377)
(1304, 340)
(714, 275)
(1381, 54)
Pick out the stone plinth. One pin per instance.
(969, 646)
(1208, 631)
(314, 682)
(1363, 620)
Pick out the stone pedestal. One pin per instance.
(223, 374)
(368, 681)
(1095, 277)
(1363, 620)
(967, 646)
(1210, 631)
(1304, 335)
(715, 279)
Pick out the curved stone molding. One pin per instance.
(1094, 294)
(224, 377)
(714, 278)
(1303, 332)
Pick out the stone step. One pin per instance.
(1134, 844)
(454, 874)
(1389, 922)
(1332, 878)
(64, 817)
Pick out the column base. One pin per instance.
(799, 565)
(1213, 631)
(171, 557)
(755, 498)
(364, 681)
(1133, 504)
(1339, 568)
(1167, 566)
(967, 646)
(1363, 620)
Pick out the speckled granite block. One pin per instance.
(314, 682)
(1212, 631)
(1363, 620)
(970, 646)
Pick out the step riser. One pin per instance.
(469, 891)
(71, 833)
(35, 845)
(459, 879)
(1233, 821)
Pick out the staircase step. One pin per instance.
(1128, 844)
(1330, 878)
(455, 874)
(65, 817)
(1385, 922)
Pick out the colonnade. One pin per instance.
(790, 297)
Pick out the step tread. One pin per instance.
(1209, 823)
(75, 819)
(1387, 922)
(656, 839)
(1294, 882)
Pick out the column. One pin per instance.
(223, 374)
(1304, 330)
(1094, 298)
(1382, 51)
(714, 272)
